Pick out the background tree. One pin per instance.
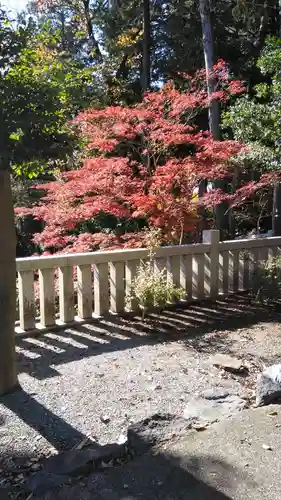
(64, 56)
(146, 63)
(258, 121)
(39, 93)
(221, 218)
(142, 167)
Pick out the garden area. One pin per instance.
(85, 386)
(140, 214)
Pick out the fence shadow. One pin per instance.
(53, 428)
(16, 461)
(39, 356)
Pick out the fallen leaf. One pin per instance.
(272, 413)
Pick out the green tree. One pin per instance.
(256, 120)
(110, 36)
(40, 90)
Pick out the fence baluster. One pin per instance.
(26, 299)
(225, 276)
(117, 287)
(47, 297)
(235, 282)
(101, 289)
(84, 291)
(130, 274)
(66, 294)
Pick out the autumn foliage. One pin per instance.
(142, 167)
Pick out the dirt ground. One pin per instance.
(94, 380)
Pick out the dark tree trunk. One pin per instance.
(274, 21)
(63, 37)
(270, 22)
(276, 210)
(146, 62)
(220, 211)
(90, 29)
(208, 47)
(8, 373)
(276, 203)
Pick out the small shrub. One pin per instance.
(267, 281)
(152, 289)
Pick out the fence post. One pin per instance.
(212, 237)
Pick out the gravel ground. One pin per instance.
(96, 379)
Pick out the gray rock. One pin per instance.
(213, 405)
(228, 363)
(156, 430)
(268, 387)
(215, 393)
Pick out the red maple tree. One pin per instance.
(142, 166)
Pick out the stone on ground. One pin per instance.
(268, 387)
(213, 405)
(228, 363)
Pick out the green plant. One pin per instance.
(152, 288)
(267, 281)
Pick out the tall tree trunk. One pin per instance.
(208, 47)
(270, 22)
(8, 373)
(276, 210)
(90, 29)
(221, 218)
(274, 21)
(276, 203)
(63, 37)
(146, 62)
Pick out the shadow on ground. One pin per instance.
(152, 476)
(53, 428)
(38, 356)
(157, 477)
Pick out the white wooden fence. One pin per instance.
(204, 270)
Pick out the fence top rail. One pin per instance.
(250, 243)
(123, 255)
(100, 257)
